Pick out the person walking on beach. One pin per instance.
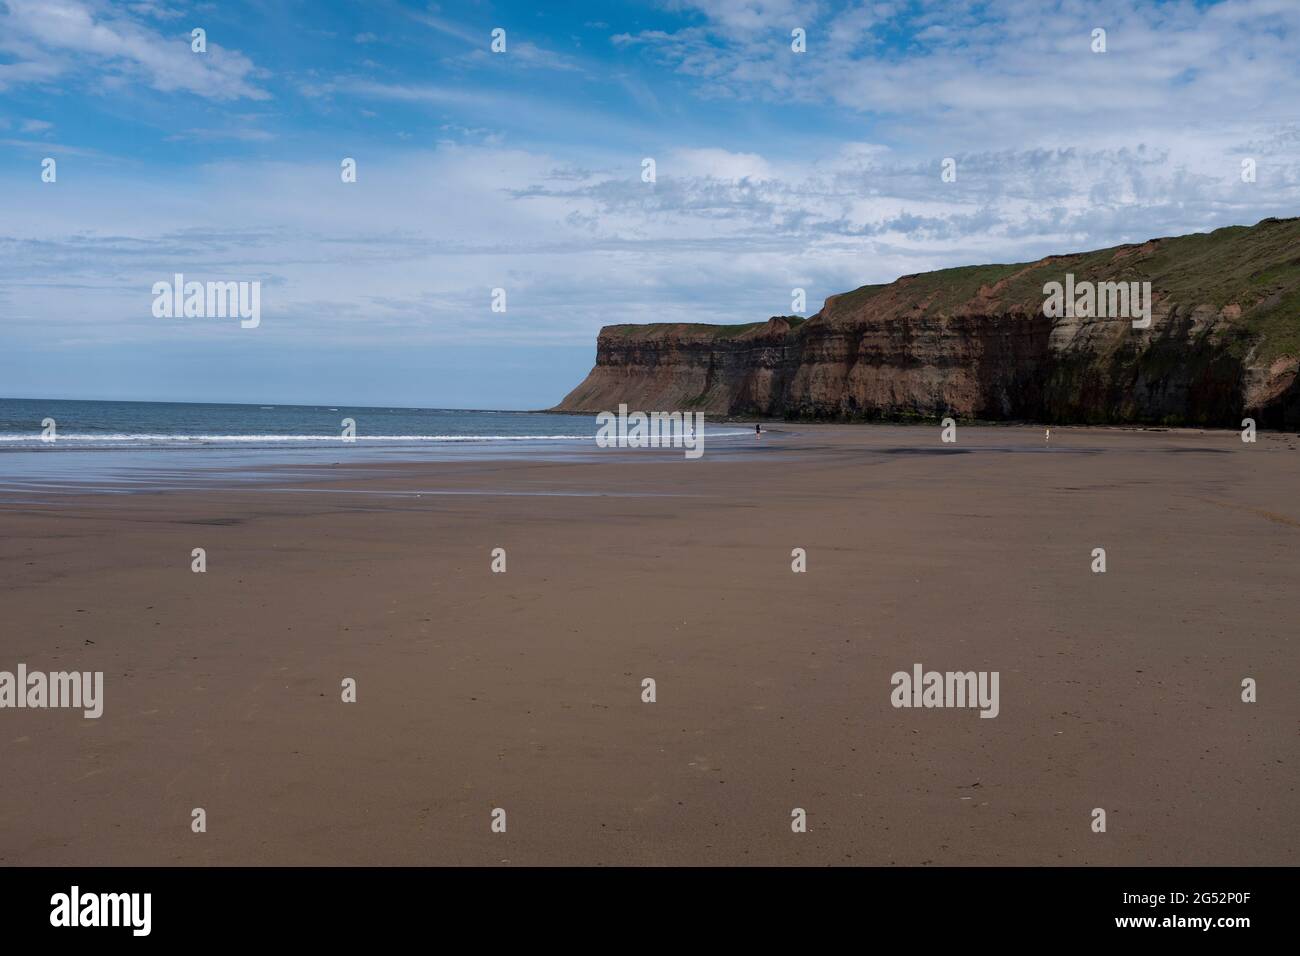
(758, 430)
(1048, 436)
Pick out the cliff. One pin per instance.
(974, 342)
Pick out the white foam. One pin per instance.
(154, 440)
(113, 437)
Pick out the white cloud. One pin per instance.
(718, 164)
(1005, 72)
(409, 253)
(57, 38)
(750, 16)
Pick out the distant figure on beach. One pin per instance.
(1048, 435)
(758, 430)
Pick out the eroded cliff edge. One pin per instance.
(973, 342)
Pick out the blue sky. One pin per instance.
(522, 170)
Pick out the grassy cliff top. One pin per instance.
(1254, 268)
(1250, 273)
(702, 330)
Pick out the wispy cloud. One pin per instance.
(1004, 70)
(521, 51)
(451, 28)
(211, 135)
(67, 39)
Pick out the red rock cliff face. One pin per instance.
(690, 367)
(975, 343)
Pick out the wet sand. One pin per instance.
(522, 690)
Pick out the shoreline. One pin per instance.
(64, 470)
(974, 422)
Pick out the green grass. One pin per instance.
(1254, 267)
(731, 331)
(701, 328)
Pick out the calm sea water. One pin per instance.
(114, 447)
(176, 425)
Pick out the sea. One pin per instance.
(139, 425)
(52, 445)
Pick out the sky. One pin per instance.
(523, 170)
